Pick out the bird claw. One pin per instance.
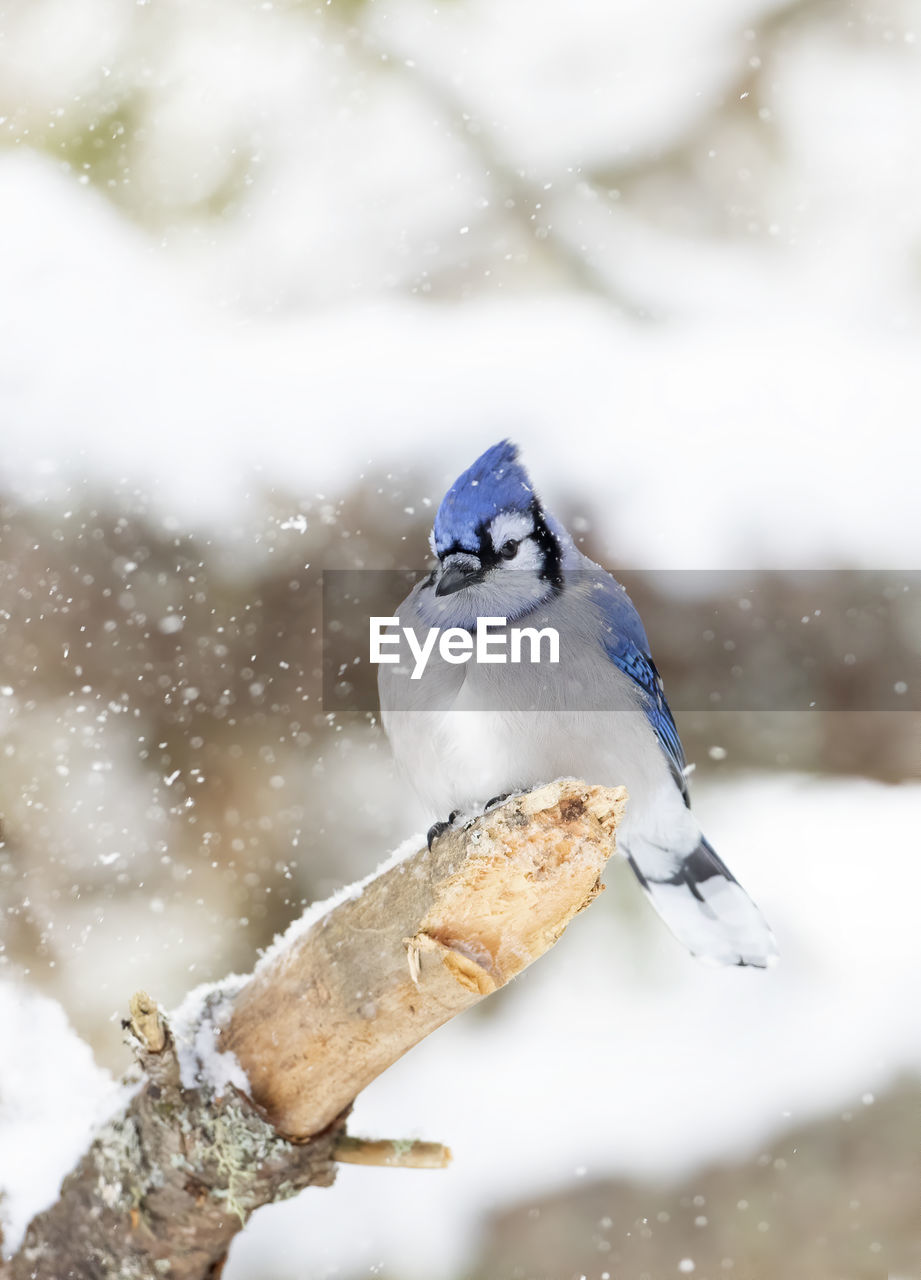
(439, 828)
(496, 800)
(435, 830)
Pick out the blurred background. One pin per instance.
(271, 275)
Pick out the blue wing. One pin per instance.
(625, 643)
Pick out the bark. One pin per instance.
(167, 1184)
(174, 1176)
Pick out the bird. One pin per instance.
(468, 734)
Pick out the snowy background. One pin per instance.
(271, 275)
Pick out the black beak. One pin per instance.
(457, 574)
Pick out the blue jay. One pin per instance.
(468, 732)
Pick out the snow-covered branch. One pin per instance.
(241, 1097)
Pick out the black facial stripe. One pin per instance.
(488, 557)
(549, 544)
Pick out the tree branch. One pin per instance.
(169, 1181)
(392, 1154)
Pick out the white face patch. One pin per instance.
(507, 525)
(517, 526)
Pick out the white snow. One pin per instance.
(766, 417)
(52, 1095)
(619, 1053)
(196, 1026)
(661, 1062)
(722, 423)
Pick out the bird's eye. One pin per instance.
(509, 549)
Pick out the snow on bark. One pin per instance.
(169, 1180)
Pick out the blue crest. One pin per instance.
(495, 482)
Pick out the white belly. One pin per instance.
(461, 759)
(460, 736)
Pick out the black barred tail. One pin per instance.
(703, 904)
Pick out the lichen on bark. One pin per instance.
(168, 1183)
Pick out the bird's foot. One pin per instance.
(490, 804)
(439, 828)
